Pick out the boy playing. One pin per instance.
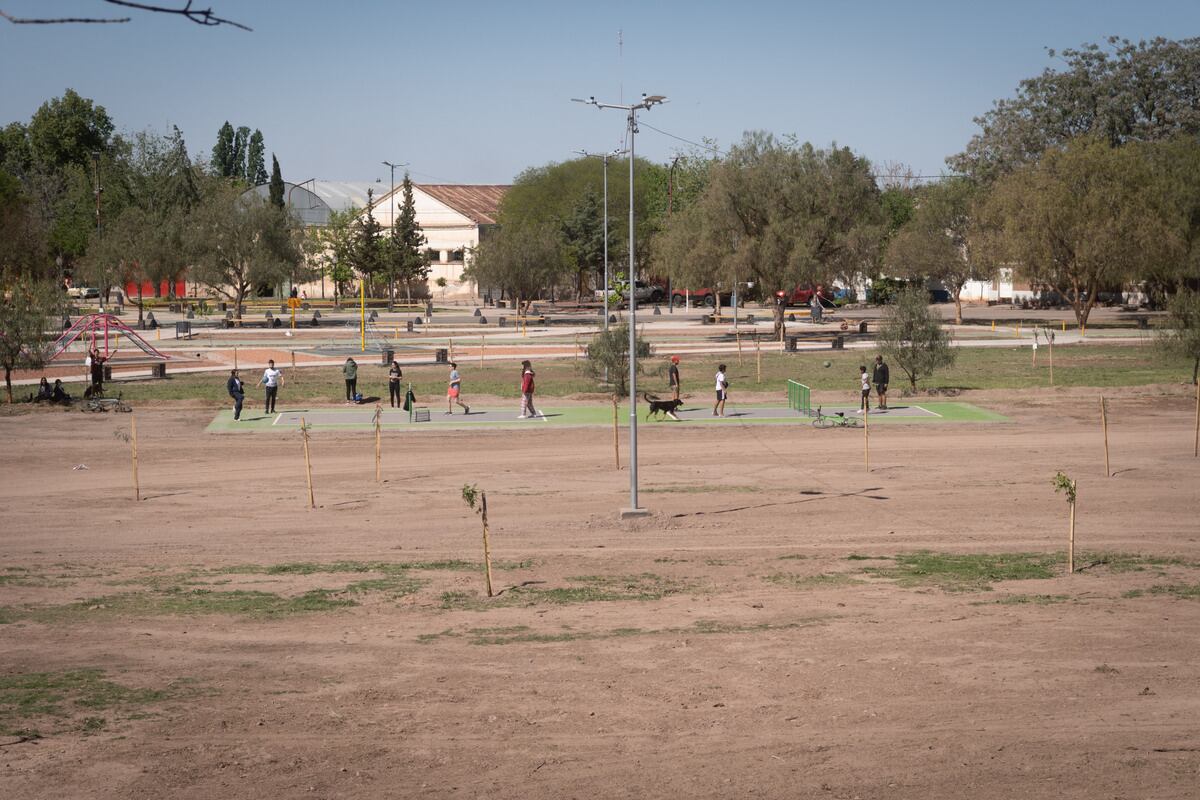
(865, 385)
(454, 391)
(722, 392)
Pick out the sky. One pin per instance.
(476, 92)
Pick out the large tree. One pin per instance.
(256, 166)
(406, 258)
(936, 243)
(780, 214)
(1081, 220)
(237, 157)
(29, 312)
(1181, 336)
(275, 190)
(525, 261)
(222, 153)
(69, 130)
(237, 241)
(1118, 92)
(23, 247)
(330, 249)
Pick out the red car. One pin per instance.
(801, 296)
(697, 297)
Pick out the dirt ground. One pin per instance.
(725, 646)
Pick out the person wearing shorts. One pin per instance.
(722, 392)
(673, 377)
(394, 376)
(454, 391)
(880, 379)
(272, 379)
(864, 381)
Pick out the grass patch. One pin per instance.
(973, 572)
(32, 696)
(1184, 591)
(520, 634)
(858, 557)
(1133, 562)
(588, 589)
(180, 601)
(1025, 599)
(823, 581)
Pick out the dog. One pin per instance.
(668, 407)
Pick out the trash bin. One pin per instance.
(839, 342)
(862, 326)
(183, 329)
(442, 355)
(388, 357)
(159, 370)
(482, 319)
(790, 343)
(408, 326)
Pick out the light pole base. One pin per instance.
(634, 513)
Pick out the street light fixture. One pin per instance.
(605, 158)
(646, 103)
(392, 225)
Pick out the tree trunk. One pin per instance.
(8, 382)
(238, 296)
(1195, 370)
(777, 314)
(141, 307)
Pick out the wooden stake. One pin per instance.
(137, 489)
(577, 348)
(482, 347)
(1051, 362)
(738, 336)
(293, 359)
(758, 356)
(312, 502)
(616, 435)
(235, 356)
(378, 442)
(487, 546)
(1071, 539)
(1196, 444)
(451, 348)
(867, 438)
(1104, 425)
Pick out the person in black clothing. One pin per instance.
(673, 377)
(394, 376)
(58, 394)
(43, 391)
(237, 392)
(97, 373)
(879, 377)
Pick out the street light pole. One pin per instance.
(604, 158)
(391, 280)
(646, 103)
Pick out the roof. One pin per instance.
(341, 195)
(478, 202)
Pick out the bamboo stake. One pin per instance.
(1104, 425)
(1196, 444)
(758, 356)
(577, 349)
(482, 347)
(293, 359)
(235, 357)
(137, 489)
(738, 336)
(1071, 538)
(487, 546)
(451, 348)
(312, 502)
(616, 435)
(378, 442)
(1052, 362)
(867, 438)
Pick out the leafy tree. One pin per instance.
(275, 190)
(1176, 198)
(222, 154)
(256, 168)
(331, 249)
(523, 260)
(1082, 220)
(68, 130)
(911, 336)
(367, 254)
(237, 241)
(608, 358)
(27, 310)
(23, 247)
(778, 213)
(1117, 92)
(936, 243)
(1181, 336)
(237, 156)
(406, 257)
(583, 233)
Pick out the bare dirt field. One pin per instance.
(774, 629)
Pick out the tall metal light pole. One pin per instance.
(391, 282)
(605, 158)
(647, 101)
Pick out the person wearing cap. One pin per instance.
(673, 377)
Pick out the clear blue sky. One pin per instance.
(474, 92)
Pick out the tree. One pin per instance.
(608, 358)
(522, 260)
(27, 309)
(331, 249)
(1082, 220)
(1118, 92)
(367, 252)
(583, 232)
(1181, 336)
(778, 213)
(237, 156)
(912, 337)
(1176, 198)
(23, 247)
(222, 154)
(936, 243)
(68, 130)
(256, 168)
(275, 190)
(406, 257)
(237, 241)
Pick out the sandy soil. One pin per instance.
(729, 684)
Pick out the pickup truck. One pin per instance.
(697, 297)
(800, 296)
(644, 292)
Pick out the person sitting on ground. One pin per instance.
(58, 394)
(43, 391)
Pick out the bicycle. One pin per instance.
(100, 403)
(838, 420)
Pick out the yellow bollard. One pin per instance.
(158, 333)
(1064, 326)
(1083, 330)
(993, 326)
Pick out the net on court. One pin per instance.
(799, 398)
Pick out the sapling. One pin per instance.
(1064, 484)
(471, 494)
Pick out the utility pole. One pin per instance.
(604, 158)
(391, 277)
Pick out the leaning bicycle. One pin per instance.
(837, 420)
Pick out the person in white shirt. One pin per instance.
(722, 392)
(272, 379)
(865, 385)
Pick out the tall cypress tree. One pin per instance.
(223, 151)
(367, 251)
(410, 262)
(237, 161)
(256, 168)
(275, 190)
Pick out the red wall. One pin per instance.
(131, 289)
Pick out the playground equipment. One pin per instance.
(94, 328)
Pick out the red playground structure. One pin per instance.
(94, 330)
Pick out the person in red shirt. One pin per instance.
(527, 409)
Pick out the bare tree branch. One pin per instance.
(199, 16)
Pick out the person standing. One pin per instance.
(527, 373)
(97, 366)
(454, 391)
(722, 392)
(272, 379)
(394, 376)
(864, 381)
(673, 377)
(238, 392)
(350, 373)
(880, 379)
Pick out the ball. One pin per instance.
(828, 364)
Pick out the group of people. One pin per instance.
(52, 394)
(271, 380)
(879, 377)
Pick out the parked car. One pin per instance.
(644, 292)
(939, 296)
(697, 297)
(83, 292)
(801, 296)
